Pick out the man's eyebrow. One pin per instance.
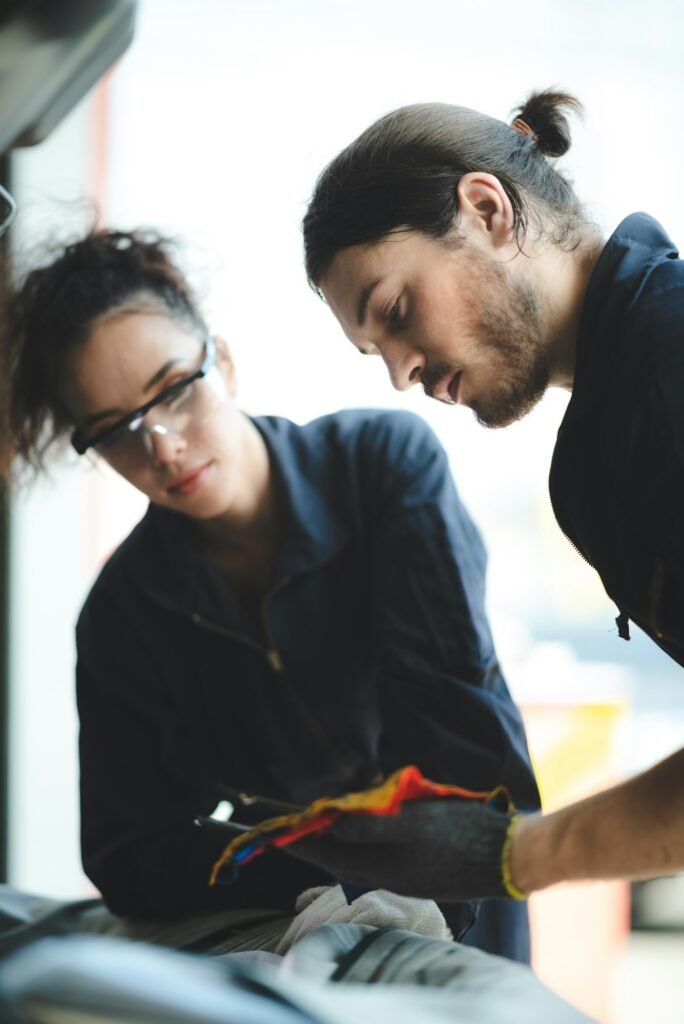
(362, 308)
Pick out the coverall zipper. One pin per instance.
(275, 662)
(270, 652)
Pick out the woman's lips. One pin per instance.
(189, 482)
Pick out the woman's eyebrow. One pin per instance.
(89, 421)
(161, 373)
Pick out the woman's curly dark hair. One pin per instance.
(55, 307)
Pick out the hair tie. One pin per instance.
(523, 128)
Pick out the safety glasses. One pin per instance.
(184, 403)
(8, 210)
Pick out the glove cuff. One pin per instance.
(508, 884)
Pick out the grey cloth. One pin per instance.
(25, 917)
(338, 974)
(215, 933)
(417, 978)
(385, 976)
(97, 980)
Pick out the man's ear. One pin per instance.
(225, 363)
(485, 211)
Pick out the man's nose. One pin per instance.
(162, 443)
(404, 363)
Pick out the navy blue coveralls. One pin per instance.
(373, 652)
(617, 476)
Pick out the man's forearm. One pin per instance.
(634, 830)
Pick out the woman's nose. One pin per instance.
(404, 363)
(163, 444)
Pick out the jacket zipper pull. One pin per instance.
(274, 660)
(622, 623)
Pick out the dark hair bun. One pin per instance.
(547, 114)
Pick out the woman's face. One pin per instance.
(202, 469)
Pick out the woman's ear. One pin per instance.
(485, 210)
(224, 361)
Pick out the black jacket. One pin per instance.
(617, 476)
(374, 652)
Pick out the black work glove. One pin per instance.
(445, 850)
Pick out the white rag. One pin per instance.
(326, 904)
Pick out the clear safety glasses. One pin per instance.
(8, 210)
(174, 411)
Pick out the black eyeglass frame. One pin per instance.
(80, 441)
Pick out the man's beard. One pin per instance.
(506, 323)
(512, 331)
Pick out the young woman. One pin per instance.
(300, 611)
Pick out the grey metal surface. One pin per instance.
(51, 55)
(4, 599)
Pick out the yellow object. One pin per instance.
(511, 889)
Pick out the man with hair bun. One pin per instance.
(447, 243)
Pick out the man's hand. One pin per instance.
(446, 850)
(634, 830)
(453, 850)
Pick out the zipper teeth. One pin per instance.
(567, 535)
(214, 627)
(652, 627)
(553, 507)
(270, 652)
(275, 589)
(584, 557)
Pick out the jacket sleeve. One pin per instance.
(143, 784)
(444, 701)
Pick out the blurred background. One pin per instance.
(213, 128)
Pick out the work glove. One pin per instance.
(447, 850)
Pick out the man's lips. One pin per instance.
(189, 482)
(447, 389)
(455, 387)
